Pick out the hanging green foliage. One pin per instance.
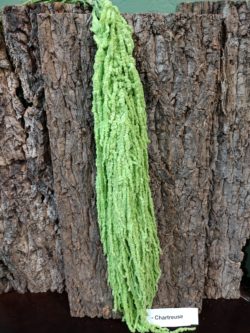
(126, 217)
(125, 208)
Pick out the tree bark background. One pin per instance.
(194, 66)
(229, 220)
(30, 250)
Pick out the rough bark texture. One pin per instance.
(179, 61)
(195, 72)
(67, 53)
(229, 220)
(30, 250)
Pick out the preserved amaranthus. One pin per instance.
(126, 218)
(125, 208)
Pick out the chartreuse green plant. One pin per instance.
(126, 216)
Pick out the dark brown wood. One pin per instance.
(176, 144)
(229, 220)
(30, 247)
(30, 233)
(67, 53)
(178, 57)
(194, 68)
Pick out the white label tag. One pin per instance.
(173, 317)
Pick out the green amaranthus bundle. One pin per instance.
(125, 208)
(126, 216)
